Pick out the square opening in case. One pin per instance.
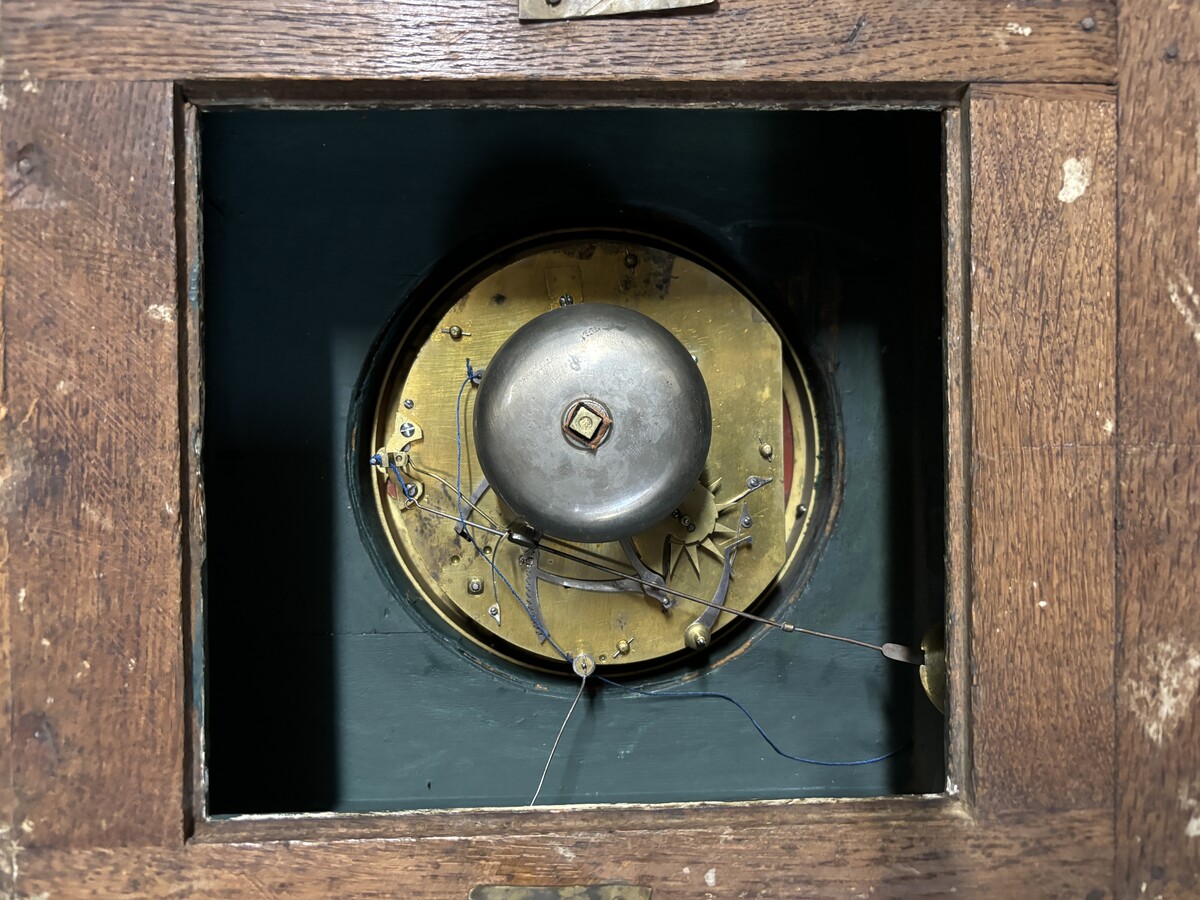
(335, 681)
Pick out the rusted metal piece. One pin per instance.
(534, 10)
(587, 423)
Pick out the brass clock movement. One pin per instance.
(593, 450)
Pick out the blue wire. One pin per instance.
(473, 377)
(684, 695)
(529, 612)
(462, 519)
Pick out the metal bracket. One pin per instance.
(534, 10)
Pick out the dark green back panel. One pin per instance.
(322, 692)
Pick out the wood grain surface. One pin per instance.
(191, 282)
(822, 850)
(1158, 661)
(91, 591)
(957, 362)
(89, 431)
(8, 843)
(1158, 783)
(1043, 333)
(738, 40)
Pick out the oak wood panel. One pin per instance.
(1158, 623)
(1043, 258)
(1158, 793)
(738, 40)
(531, 822)
(1160, 224)
(932, 851)
(1041, 623)
(1042, 326)
(90, 500)
(7, 601)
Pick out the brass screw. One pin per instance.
(697, 636)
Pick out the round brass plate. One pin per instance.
(751, 484)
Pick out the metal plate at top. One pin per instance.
(535, 10)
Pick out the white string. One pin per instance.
(550, 758)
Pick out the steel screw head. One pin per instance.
(475, 586)
(753, 481)
(566, 300)
(1088, 24)
(747, 521)
(583, 665)
(408, 429)
(408, 404)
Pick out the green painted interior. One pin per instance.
(321, 691)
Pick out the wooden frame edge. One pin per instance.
(936, 852)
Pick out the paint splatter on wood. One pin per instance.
(1164, 687)
(161, 312)
(1184, 299)
(1077, 175)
